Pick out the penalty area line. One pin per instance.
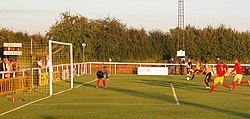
(27, 104)
(175, 96)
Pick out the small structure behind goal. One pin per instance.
(66, 56)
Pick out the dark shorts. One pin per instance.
(197, 70)
(208, 76)
(99, 75)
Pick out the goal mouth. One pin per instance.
(60, 60)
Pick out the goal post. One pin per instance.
(51, 42)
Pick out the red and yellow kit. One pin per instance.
(220, 69)
(238, 68)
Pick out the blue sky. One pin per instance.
(36, 16)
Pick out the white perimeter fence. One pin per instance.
(92, 67)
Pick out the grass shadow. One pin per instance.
(48, 117)
(229, 112)
(140, 94)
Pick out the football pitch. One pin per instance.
(136, 97)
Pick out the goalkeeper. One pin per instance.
(101, 75)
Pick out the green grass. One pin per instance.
(137, 97)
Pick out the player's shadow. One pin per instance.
(187, 86)
(78, 82)
(184, 86)
(48, 117)
(179, 85)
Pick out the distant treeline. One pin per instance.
(110, 38)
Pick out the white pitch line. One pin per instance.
(24, 106)
(74, 87)
(175, 96)
(115, 104)
(12, 110)
(85, 83)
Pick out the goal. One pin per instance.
(60, 66)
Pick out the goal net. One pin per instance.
(43, 69)
(60, 66)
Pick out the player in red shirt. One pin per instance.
(239, 74)
(220, 72)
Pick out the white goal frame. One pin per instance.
(51, 67)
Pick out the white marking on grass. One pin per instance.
(115, 104)
(75, 87)
(27, 104)
(24, 106)
(85, 83)
(175, 96)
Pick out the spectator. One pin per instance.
(247, 67)
(172, 67)
(35, 71)
(47, 61)
(189, 66)
(7, 67)
(11, 62)
(2, 66)
(15, 65)
(38, 65)
(182, 64)
(1, 60)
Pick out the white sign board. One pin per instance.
(181, 53)
(12, 44)
(12, 52)
(152, 71)
(12, 48)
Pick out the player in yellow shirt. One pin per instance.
(208, 71)
(197, 68)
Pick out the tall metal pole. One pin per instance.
(31, 53)
(31, 60)
(180, 24)
(83, 51)
(50, 68)
(31, 47)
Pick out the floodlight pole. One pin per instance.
(83, 51)
(180, 24)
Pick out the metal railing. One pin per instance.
(90, 67)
